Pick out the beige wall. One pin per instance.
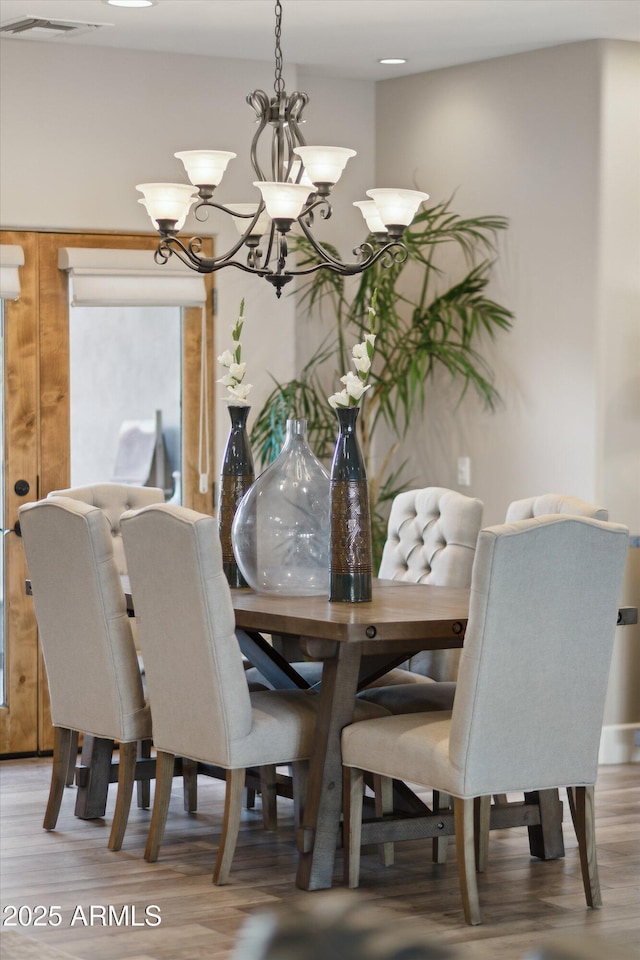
(550, 140)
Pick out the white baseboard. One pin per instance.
(620, 743)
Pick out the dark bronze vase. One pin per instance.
(350, 544)
(236, 476)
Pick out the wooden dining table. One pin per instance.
(355, 642)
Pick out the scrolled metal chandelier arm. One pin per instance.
(173, 246)
(302, 179)
(395, 249)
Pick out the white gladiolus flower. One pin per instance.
(226, 358)
(339, 399)
(239, 393)
(236, 368)
(237, 371)
(355, 384)
(362, 364)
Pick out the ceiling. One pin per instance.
(342, 38)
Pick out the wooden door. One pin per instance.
(19, 709)
(37, 445)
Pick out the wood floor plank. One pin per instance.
(523, 900)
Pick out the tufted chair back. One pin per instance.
(553, 503)
(432, 537)
(114, 499)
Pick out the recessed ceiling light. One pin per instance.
(130, 3)
(392, 60)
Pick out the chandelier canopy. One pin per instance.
(299, 185)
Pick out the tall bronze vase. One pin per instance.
(350, 544)
(236, 476)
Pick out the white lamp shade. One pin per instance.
(179, 223)
(371, 215)
(304, 179)
(167, 201)
(242, 223)
(205, 167)
(284, 201)
(324, 164)
(397, 207)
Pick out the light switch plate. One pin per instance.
(464, 471)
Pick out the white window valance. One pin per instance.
(129, 278)
(11, 259)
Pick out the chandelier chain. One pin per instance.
(278, 85)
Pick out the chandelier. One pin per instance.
(299, 186)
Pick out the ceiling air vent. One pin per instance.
(37, 28)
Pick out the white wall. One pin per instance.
(550, 140)
(618, 369)
(516, 136)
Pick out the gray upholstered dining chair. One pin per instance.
(94, 679)
(191, 654)
(544, 596)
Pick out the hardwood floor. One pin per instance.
(524, 902)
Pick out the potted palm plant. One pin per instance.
(432, 312)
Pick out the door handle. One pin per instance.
(15, 529)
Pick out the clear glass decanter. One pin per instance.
(280, 532)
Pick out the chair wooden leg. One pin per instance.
(126, 779)
(144, 786)
(482, 814)
(59, 770)
(190, 785)
(232, 812)
(440, 845)
(383, 790)
(165, 763)
(465, 847)
(353, 793)
(73, 758)
(268, 792)
(581, 802)
(249, 798)
(300, 780)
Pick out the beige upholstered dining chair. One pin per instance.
(191, 654)
(95, 685)
(114, 499)
(544, 596)
(553, 503)
(411, 698)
